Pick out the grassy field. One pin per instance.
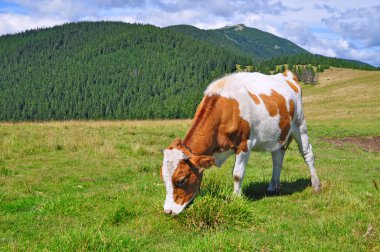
(78, 186)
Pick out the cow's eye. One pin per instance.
(181, 182)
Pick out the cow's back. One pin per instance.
(269, 103)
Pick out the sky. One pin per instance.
(347, 29)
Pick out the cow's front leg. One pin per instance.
(239, 170)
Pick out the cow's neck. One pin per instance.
(202, 137)
(201, 141)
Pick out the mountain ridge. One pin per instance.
(259, 44)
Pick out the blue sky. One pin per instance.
(340, 28)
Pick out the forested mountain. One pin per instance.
(114, 70)
(260, 45)
(106, 70)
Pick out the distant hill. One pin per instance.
(240, 38)
(115, 70)
(106, 70)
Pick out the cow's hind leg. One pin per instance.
(299, 133)
(239, 170)
(277, 158)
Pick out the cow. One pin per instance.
(238, 113)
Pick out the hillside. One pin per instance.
(114, 70)
(106, 70)
(345, 97)
(240, 38)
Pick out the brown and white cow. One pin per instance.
(239, 113)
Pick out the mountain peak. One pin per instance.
(237, 27)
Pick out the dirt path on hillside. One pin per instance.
(368, 144)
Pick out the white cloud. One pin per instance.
(297, 32)
(11, 23)
(162, 18)
(325, 7)
(224, 8)
(360, 24)
(256, 21)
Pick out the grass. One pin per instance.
(78, 186)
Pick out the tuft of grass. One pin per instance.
(209, 213)
(122, 215)
(217, 208)
(214, 185)
(59, 147)
(7, 172)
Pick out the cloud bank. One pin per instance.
(328, 28)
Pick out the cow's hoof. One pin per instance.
(270, 193)
(276, 192)
(317, 189)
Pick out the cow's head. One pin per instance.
(182, 174)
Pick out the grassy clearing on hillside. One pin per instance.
(95, 185)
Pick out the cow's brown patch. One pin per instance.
(217, 125)
(202, 162)
(236, 178)
(200, 117)
(187, 176)
(176, 142)
(183, 192)
(276, 104)
(293, 86)
(296, 81)
(254, 98)
(271, 102)
(291, 109)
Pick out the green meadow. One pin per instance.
(95, 186)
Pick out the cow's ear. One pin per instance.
(202, 162)
(176, 142)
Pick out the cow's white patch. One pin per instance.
(171, 161)
(239, 170)
(221, 157)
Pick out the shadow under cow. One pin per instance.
(258, 190)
